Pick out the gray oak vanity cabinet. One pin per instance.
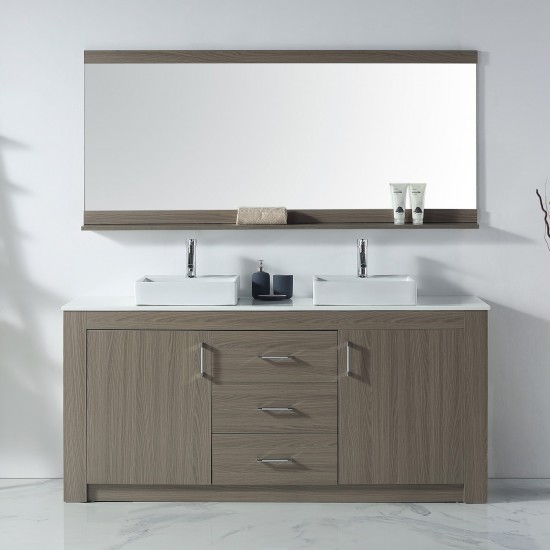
(400, 416)
(274, 407)
(148, 408)
(291, 405)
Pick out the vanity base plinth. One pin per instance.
(286, 493)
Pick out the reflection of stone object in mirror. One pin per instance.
(283, 284)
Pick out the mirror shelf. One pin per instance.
(130, 185)
(305, 219)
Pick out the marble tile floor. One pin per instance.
(33, 516)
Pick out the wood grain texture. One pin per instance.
(267, 320)
(475, 406)
(297, 219)
(380, 216)
(400, 415)
(280, 56)
(234, 459)
(236, 357)
(179, 227)
(235, 408)
(146, 217)
(74, 406)
(281, 493)
(148, 408)
(423, 418)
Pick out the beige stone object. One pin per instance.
(262, 216)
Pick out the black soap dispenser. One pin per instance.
(260, 281)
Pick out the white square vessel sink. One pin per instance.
(379, 290)
(173, 290)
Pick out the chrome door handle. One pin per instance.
(348, 359)
(202, 359)
(275, 409)
(274, 460)
(275, 357)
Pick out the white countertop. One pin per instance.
(127, 303)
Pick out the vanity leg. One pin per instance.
(74, 406)
(475, 406)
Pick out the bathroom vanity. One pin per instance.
(275, 402)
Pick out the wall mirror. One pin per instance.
(177, 139)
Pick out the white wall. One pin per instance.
(45, 259)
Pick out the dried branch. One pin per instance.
(546, 224)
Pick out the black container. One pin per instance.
(283, 284)
(261, 281)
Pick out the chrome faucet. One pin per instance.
(191, 258)
(362, 258)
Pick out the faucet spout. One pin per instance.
(362, 258)
(191, 258)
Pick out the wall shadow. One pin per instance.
(518, 490)
(482, 214)
(30, 382)
(519, 381)
(439, 277)
(304, 237)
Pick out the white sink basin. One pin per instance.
(172, 290)
(380, 290)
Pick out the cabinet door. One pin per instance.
(148, 408)
(400, 415)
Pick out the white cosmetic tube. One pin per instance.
(416, 193)
(399, 199)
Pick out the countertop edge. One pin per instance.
(425, 303)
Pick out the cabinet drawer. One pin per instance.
(287, 459)
(241, 357)
(256, 408)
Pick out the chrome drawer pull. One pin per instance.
(274, 460)
(202, 359)
(348, 360)
(275, 357)
(275, 409)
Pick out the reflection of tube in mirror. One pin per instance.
(399, 199)
(416, 193)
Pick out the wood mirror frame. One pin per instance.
(297, 219)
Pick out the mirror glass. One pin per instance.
(209, 136)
